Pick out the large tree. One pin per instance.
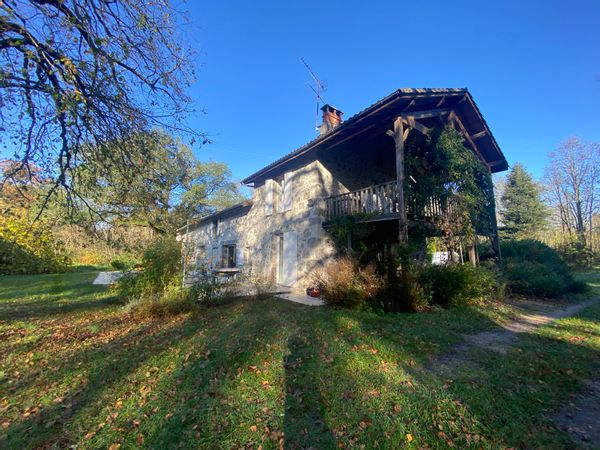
(173, 186)
(573, 185)
(76, 75)
(522, 212)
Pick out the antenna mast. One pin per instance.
(320, 87)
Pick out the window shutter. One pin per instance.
(239, 259)
(287, 191)
(268, 197)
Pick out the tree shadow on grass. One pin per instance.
(198, 360)
(98, 370)
(305, 421)
(507, 398)
(346, 377)
(221, 401)
(46, 296)
(48, 308)
(488, 397)
(93, 371)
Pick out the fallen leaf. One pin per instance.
(253, 428)
(409, 437)
(140, 439)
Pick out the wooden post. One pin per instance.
(398, 135)
(472, 255)
(349, 239)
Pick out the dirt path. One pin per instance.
(500, 340)
(580, 418)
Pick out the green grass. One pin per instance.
(76, 370)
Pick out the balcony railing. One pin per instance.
(379, 200)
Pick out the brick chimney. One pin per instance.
(332, 117)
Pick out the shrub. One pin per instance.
(161, 270)
(403, 292)
(462, 284)
(156, 290)
(576, 256)
(27, 248)
(533, 268)
(210, 290)
(118, 264)
(343, 283)
(411, 289)
(175, 300)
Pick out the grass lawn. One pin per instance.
(76, 370)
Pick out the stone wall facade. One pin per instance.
(255, 233)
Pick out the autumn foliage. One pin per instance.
(29, 248)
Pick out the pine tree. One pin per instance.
(523, 212)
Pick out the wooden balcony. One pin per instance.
(381, 201)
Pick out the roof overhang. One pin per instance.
(238, 210)
(403, 102)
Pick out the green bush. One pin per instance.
(161, 270)
(462, 284)
(576, 256)
(123, 264)
(533, 268)
(27, 248)
(156, 291)
(403, 293)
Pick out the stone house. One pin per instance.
(353, 166)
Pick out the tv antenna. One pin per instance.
(320, 87)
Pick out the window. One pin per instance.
(228, 256)
(214, 228)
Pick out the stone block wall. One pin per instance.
(254, 233)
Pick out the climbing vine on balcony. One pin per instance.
(445, 169)
(350, 233)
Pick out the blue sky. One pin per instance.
(533, 68)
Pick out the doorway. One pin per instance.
(286, 245)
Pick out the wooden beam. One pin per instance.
(427, 113)
(410, 120)
(478, 135)
(392, 134)
(353, 135)
(398, 135)
(441, 102)
(472, 103)
(453, 117)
